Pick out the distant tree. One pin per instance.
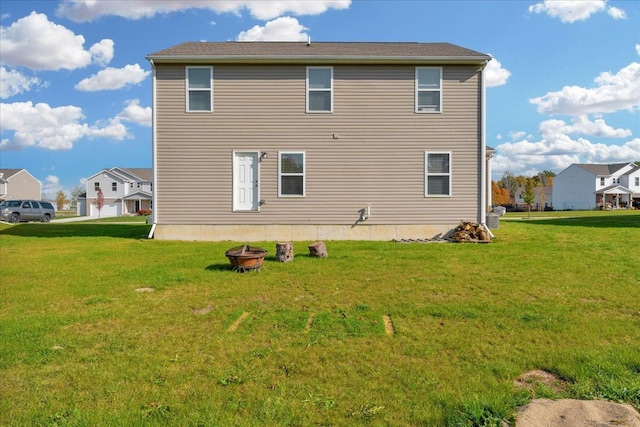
(499, 195)
(61, 200)
(542, 198)
(546, 178)
(511, 183)
(99, 201)
(528, 195)
(76, 192)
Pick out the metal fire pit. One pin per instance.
(246, 258)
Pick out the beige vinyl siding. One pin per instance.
(369, 150)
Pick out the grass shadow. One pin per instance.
(126, 231)
(219, 267)
(596, 221)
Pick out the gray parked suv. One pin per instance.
(26, 210)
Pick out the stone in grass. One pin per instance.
(145, 290)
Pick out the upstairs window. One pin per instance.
(291, 174)
(199, 81)
(96, 186)
(114, 186)
(602, 180)
(428, 90)
(319, 89)
(637, 181)
(438, 174)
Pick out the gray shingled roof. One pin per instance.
(288, 51)
(603, 170)
(8, 173)
(145, 174)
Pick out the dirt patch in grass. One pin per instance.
(238, 322)
(307, 327)
(203, 310)
(388, 325)
(145, 290)
(571, 413)
(533, 379)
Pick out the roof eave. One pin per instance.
(315, 59)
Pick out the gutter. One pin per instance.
(483, 152)
(316, 59)
(154, 157)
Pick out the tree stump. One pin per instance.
(284, 251)
(318, 250)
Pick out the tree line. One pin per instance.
(504, 191)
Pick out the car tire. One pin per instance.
(46, 218)
(14, 218)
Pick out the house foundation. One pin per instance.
(260, 233)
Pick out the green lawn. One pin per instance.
(82, 345)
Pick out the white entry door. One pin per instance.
(245, 181)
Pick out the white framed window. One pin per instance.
(291, 174)
(319, 89)
(114, 186)
(602, 180)
(637, 181)
(199, 87)
(437, 167)
(428, 86)
(96, 185)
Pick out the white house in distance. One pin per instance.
(592, 186)
(19, 184)
(125, 192)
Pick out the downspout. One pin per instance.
(483, 151)
(154, 157)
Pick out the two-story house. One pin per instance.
(302, 141)
(19, 184)
(592, 186)
(124, 192)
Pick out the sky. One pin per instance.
(75, 87)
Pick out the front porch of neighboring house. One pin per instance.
(614, 197)
(135, 202)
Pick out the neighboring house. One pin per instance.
(592, 186)
(261, 141)
(19, 184)
(125, 192)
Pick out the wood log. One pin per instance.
(284, 251)
(470, 232)
(318, 250)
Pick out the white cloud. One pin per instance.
(582, 125)
(136, 114)
(638, 49)
(39, 44)
(494, 74)
(50, 187)
(52, 128)
(271, 9)
(517, 135)
(88, 10)
(569, 11)
(113, 78)
(616, 13)
(555, 149)
(13, 83)
(615, 92)
(102, 52)
(528, 158)
(281, 29)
